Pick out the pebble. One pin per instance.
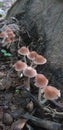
(30, 106)
(19, 124)
(7, 119)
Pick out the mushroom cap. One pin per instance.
(19, 65)
(40, 60)
(23, 50)
(41, 81)
(29, 72)
(9, 32)
(3, 35)
(51, 93)
(9, 40)
(32, 55)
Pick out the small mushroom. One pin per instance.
(32, 55)
(51, 93)
(8, 40)
(9, 32)
(19, 66)
(40, 81)
(30, 73)
(23, 51)
(3, 35)
(40, 60)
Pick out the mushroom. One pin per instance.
(8, 40)
(3, 35)
(23, 51)
(10, 32)
(30, 73)
(32, 55)
(51, 93)
(40, 81)
(39, 60)
(19, 66)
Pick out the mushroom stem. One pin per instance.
(28, 84)
(43, 101)
(39, 95)
(20, 74)
(25, 59)
(33, 65)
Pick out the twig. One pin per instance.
(60, 106)
(50, 125)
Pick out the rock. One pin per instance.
(19, 124)
(30, 106)
(44, 22)
(7, 119)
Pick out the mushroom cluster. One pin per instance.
(8, 36)
(29, 71)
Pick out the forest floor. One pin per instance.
(19, 108)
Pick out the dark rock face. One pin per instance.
(44, 20)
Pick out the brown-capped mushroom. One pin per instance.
(40, 81)
(30, 73)
(23, 51)
(9, 40)
(9, 32)
(19, 65)
(3, 35)
(51, 93)
(32, 55)
(39, 60)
